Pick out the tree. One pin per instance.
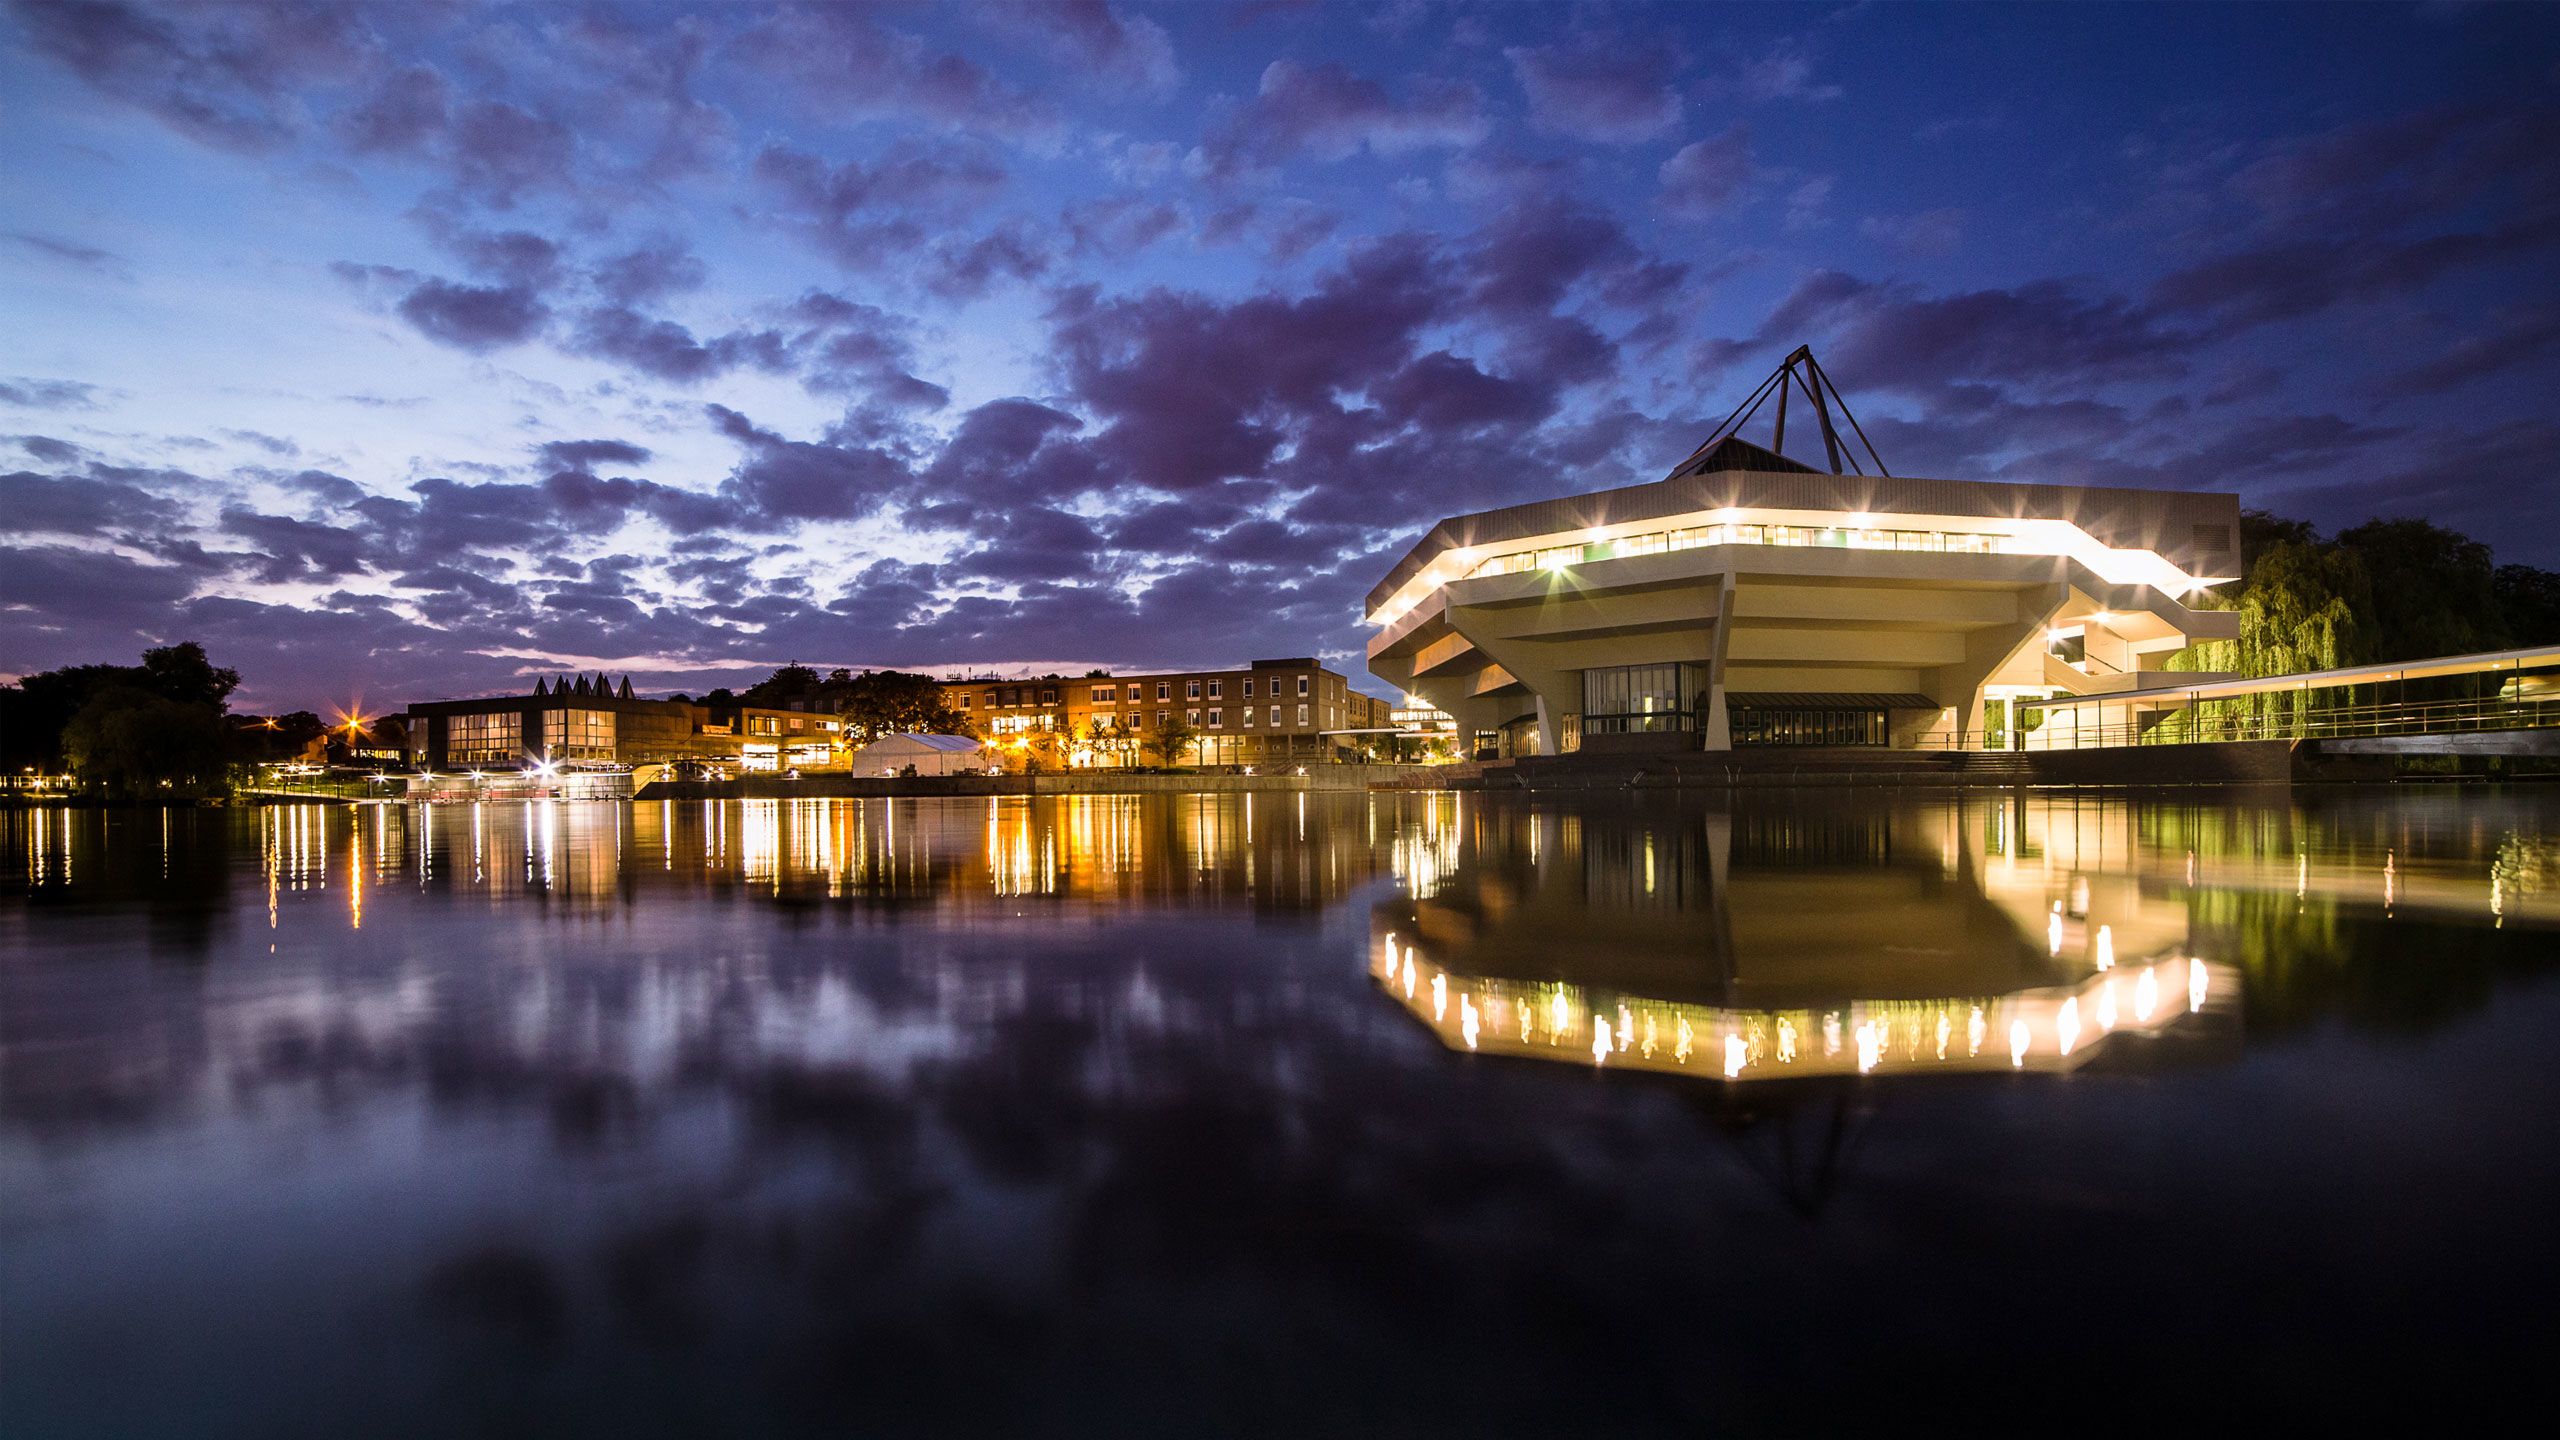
(35, 712)
(2528, 604)
(778, 690)
(131, 743)
(891, 702)
(1172, 740)
(2431, 591)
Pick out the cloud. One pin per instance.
(1099, 41)
(2519, 338)
(1783, 72)
(31, 393)
(1931, 234)
(1328, 112)
(474, 317)
(843, 63)
(86, 257)
(223, 75)
(2041, 334)
(588, 454)
(864, 213)
(1614, 94)
(1704, 174)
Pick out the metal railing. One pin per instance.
(2304, 718)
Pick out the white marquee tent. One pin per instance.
(930, 754)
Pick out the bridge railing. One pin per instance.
(2273, 716)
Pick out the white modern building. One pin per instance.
(1746, 599)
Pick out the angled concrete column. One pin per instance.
(1717, 723)
(1986, 651)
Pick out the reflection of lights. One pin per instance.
(1973, 1031)
(2017, 1043)
(1945, 1028)
(1735, 1054)
(2146, 995)
(2107, 1006)
(2390, 878)
(1871, 1038)
(2195, 986)
(1408, 974)
(1626, 1028)
(2053, 930)
(2066, 1024)
(1558, 1017)
(1786, 1041)
(1831, 1033)
(1680, 1051)
(2301, 874)
(1599, 1043)
(2106, 948)
(1439, 997)
(1466, 1017)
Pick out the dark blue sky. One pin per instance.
(405, 350)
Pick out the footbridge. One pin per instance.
(2502, 702)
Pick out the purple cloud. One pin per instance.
(1615, 93)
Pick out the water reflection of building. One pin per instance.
(1794, 942)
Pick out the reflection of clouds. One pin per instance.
(665, 1095)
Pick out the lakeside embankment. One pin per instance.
(1071, 782)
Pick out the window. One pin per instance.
(1652, 544)
(1191, 690)
(1191, 718)
(963, 699)
(1217, 718)
(795, 722)
(1248, 717)
(476, 739)
(1162, 716)
(1509, 564)
(1302, 684)
(1275, 715)
(1105, 694)
(1302, 714)
(1216, 686)
(1248, 689)
(1137, 720)
(1164, 689)
(577, 734)
(1626, 699)
(1048, 694)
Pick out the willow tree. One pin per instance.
(2303, 606)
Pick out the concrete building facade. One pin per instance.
(1746, 599)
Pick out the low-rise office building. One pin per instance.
(1746, 599)
(1271, 712)
(593, 722)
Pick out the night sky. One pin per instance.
(404, 351)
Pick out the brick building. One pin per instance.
(1271, 712)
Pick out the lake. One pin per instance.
(1276, 1114)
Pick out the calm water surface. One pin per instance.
(1260, 1115)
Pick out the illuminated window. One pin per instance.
(1162, 716)
(1302, 714)
(1652, 544)
(577, 734)
(1275, 714)
(1248, 715)
(1191, 718)
(478, 739)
